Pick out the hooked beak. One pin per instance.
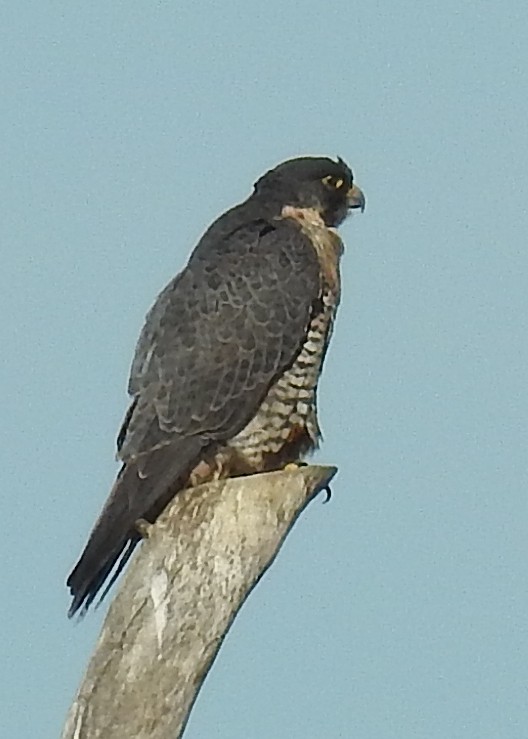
(355, 198)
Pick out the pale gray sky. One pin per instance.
(399, 610)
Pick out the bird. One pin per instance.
(224, 378)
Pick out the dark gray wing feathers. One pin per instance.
(214, 342)
(220, 334)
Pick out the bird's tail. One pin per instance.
(134, 496)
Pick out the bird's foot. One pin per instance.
(143, 527)
(293, 466)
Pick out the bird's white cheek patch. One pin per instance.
(158, 592)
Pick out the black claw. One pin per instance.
(328, 492)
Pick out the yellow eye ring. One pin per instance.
(332, 182)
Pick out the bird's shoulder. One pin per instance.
(247, 265)
(247, 227)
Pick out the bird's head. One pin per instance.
(313, 182)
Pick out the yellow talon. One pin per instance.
(292, 467)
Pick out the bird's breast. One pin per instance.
(285, 427)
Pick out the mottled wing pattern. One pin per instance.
(216, 339)
(219, 335)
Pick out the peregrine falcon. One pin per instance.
(224, 377)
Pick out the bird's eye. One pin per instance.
(331, 181)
